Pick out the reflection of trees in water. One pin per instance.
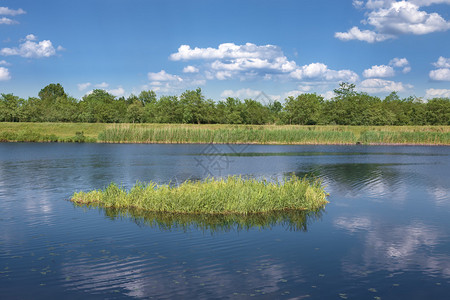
(357, 176)
(293, 220)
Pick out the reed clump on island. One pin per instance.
(233, 194)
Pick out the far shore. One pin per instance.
(225, 134)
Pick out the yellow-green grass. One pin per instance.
(295, 220)
(222, 133)
(231, 195)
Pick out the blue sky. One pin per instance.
(228, 48)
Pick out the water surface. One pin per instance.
(385, 232)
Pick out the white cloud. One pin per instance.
(4, 63)
(375, 85)
(440, 74)
(405, 17)
(250, 61)
(4, 74)
(83, 86)
(401, 63)
(190, 69)
(328, 95)
(242, 93)
(102, 85)
(7, 21)
(31, 49)
(358, 4)
(118, 92)
(379, 71)
(365, 35)
(227, 51)
(437, 93)
(229, 61)
(250, 94)
(442, 62)
(31, 37)
(393, 18)
(320, 71)
(11, 12)
(163, 76)
(443, 73)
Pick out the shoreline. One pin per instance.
(225, 134)
(230, 143)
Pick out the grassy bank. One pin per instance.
(211, 196)
(189, 133)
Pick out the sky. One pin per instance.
(227, 48)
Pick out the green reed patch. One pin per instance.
(418, 137)
(233, 194)
(127, 134)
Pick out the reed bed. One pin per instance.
(404, 137)
(225, 135)
(233, 194)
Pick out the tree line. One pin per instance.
(348, 107)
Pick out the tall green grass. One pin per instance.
(418, 137)
(212, 196)
(34, 136)
(124, 134)
(222, 133)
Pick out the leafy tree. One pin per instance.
(194, 106)
(10, 108)
(304, 110)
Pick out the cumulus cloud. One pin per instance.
(379, 71)
(375, 85)
(443, 73)
(11, 12)
(163, 76)
(227, 51)
(190, 69)
(390, 19)
(440, 74)
(321, 71)
(4, 74)
(437, 93)
(229, 60)
(362, 35)
(328, 95)
(31, 49)
(118, 92)
(4, 63)
(382, 71)
(242, 93)
(442, 62)
(250, 94)
(7, 21)
(102, 85)
(83, 86)
(400, 63)
(250, 61)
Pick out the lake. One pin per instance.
(384, 235)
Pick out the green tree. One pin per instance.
(306, 109)
(194, 106)
(10, 106)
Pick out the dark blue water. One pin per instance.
(385, 232)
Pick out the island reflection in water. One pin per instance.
(292, 220)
